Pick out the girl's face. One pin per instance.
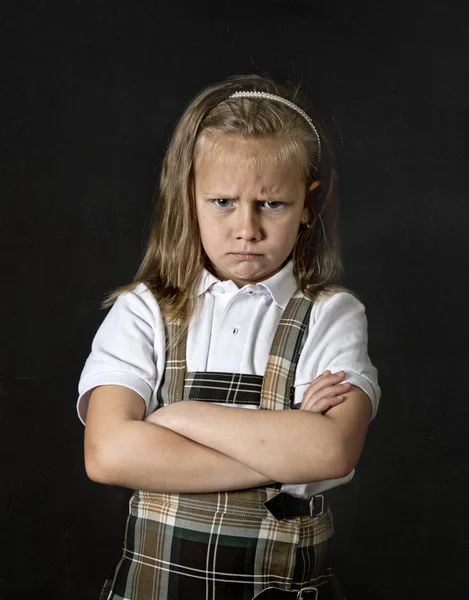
(249, 206)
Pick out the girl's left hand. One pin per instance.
(325, 392)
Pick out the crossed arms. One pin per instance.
(191, 446)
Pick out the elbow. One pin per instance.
(344, 454)
(98, 464)
(346, 460)
(341, 467)
(332, 467)
(337, 465)
(94, 470)
(334, 464)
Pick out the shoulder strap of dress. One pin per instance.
(172, 386)
(277, 388)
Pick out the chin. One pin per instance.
(254, 276)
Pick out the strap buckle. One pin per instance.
(316, 505)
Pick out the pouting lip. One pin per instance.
(246, 256)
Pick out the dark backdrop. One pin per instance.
(89, 93)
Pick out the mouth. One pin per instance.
(246, 255)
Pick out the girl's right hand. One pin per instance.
(325, 392)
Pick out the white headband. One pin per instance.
(294, 107)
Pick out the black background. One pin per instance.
(89, 93)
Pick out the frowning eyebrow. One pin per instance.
(265, 194)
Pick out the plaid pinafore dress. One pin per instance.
(226, 545)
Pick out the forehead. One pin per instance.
(222, 158)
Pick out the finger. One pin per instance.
(322, 405)
(330, 391)
(319, 386)
(316, 407)
(324, 380)
(321, 376)
(333, 390)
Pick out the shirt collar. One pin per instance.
(206, 282)
(281, 286)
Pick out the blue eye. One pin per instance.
(272, 204)
(222, 202)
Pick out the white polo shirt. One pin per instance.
(232, 332)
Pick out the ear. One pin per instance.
(314, 185)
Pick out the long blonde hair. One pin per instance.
(174, 259)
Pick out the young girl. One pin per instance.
(236, 307)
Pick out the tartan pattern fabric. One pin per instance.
(223, 545)
(172, 386)
(226, 545)
(230, 388)
(277, 389)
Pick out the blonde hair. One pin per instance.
(174, 258)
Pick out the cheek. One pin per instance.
(203, 221)
(286, 233)
(210, 233)
(211, 225)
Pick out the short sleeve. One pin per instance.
(126, 350)
(338, 340)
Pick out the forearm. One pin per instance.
(289, 446)
(145, 456)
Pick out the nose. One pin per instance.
(247, 225)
